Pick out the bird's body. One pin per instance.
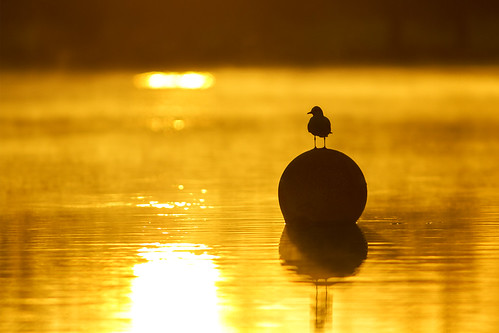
(319, 125)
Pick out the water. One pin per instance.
(136, 210)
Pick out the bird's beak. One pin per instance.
(309, 112)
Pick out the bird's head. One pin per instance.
(316, 111)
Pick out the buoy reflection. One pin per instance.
(323, 255)
(323, 252)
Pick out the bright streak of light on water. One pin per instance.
(175, 290)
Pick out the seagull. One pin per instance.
(319, 125)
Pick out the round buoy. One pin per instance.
(322, 186)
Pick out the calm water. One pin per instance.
(136, 210)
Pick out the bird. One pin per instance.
(319, 125)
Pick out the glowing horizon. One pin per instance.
(174, 80)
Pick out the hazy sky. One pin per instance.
(147, 33)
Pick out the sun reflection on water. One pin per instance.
(177, 205)
(175, 290)
(176, 208)
(158, 124)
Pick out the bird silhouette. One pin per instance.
(319, 125)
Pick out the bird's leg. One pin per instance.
(315, 143)
(324, 142)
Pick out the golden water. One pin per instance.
(126, 209)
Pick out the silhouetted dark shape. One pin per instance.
(322, 193)
(323, 252)
(322, 186)
(319, 125)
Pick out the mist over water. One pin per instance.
(127, 209)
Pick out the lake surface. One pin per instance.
(126, 209)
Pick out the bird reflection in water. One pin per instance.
(325, 255)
